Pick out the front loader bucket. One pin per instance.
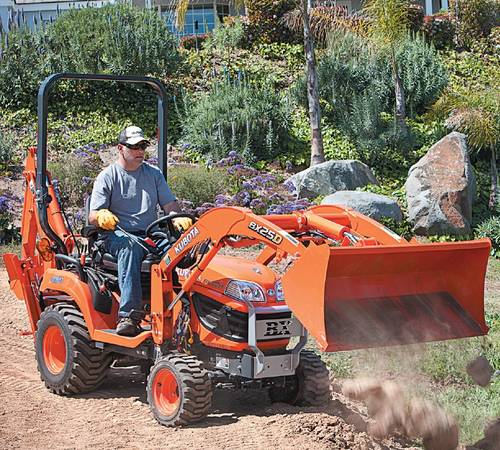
(360, 297)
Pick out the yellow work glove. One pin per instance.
(106, 219)
(182, 223)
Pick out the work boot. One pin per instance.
(128, 327)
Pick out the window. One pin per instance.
(200, 19)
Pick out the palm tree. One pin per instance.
(317, 152)
(387, 28)
(476, 114)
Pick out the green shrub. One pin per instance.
(115, 39)
(228, 36)
(8, 148)
(74, 174)
(351, 88)
(476, 19)
(423, 73)
(118, 39)
(490, 228)
(237, 116)
(24, 63)
(440, 30)
(335, 144)
(197, 184)
(356, 88)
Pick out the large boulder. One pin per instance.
(372, 205)
(331, 176)
(441, 188)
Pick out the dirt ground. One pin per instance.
(117, 415)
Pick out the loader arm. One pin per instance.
(352, 282)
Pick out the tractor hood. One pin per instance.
(223, 269)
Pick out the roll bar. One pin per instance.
(42, 195)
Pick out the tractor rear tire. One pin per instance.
(67, 360)
(179, 390)
(310, 386)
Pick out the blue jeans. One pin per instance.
(129, 256)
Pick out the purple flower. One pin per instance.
(257, 203)
(233, 154)
(289, 186)
(243, 198)
(86, 180)
(248, 185)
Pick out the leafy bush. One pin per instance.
(266, 24)
(335, 144)
(228, 36)
(193, 42)
(351, 87)
(440, 30)
(8, 205)
(476, 19)
(237, 116)
(424, 75)
(490, 228)
(197, 184)
(7, 149)
(122, 39)
(75, 173)
(24, 63)
(356, 88)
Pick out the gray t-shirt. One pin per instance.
(132, 196)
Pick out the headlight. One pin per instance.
(245, 290)
(280, 296)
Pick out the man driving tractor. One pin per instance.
(128, 192)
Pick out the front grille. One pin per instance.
(225, 321)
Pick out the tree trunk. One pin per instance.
(494, 180)
(317, 152)
(400, 100)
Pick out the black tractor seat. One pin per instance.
(109, 262)
(106, 260)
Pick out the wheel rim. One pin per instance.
(166, 392)
(54, 349)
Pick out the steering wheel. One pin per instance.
(167, 220)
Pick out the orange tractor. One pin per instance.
(213, 320)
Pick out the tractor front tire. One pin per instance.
(179, 390)
(310, 386)
(67, 360)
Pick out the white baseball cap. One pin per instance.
(132, 136)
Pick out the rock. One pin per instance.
(331, 176)
(372, 205)
(480, 371)
(441, 188)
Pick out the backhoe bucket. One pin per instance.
(361, 297)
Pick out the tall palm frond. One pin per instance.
(323, 20)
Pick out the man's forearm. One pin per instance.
(93, 217)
